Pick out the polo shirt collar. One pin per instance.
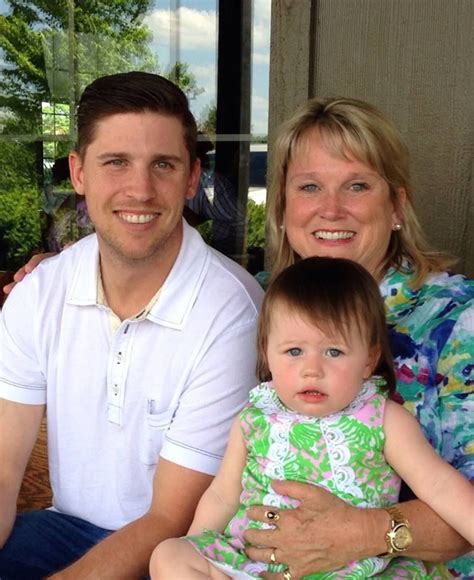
(182, 286)
(83, 289)
(178, 292)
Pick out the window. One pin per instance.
(52, 49)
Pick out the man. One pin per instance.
(139, 340)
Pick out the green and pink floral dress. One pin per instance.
(341, 452)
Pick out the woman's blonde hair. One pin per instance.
(351, 128)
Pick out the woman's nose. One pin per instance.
(331, 205)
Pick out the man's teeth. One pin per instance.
(133, 218)
(325, 235)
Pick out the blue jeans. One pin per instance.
(43, 542)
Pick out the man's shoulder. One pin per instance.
(50, 280)
(205, 273)
(226, 272)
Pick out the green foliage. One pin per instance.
(50, 50)
(256, 224)
(179, 73)
(47, 61)
(20, 225)
(207, 121)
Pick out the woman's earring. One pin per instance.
(397, 227)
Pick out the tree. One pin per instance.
(51, 49)
(207, 121)
(179, 73)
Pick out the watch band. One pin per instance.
(398, 538)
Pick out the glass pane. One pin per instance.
(51, 49)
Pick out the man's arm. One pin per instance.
(125, 554)
(19, 426)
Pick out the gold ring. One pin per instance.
(273, 559)
(287, 575)
(272, 515)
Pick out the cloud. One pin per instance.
(197, 45)
(196, 29)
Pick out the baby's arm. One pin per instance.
(221, 499)
(432, 480)
(176, 557)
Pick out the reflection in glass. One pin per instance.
(51, 49)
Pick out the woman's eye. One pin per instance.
(294, 351)
(334, 352)
(310, 187)
(358, 187)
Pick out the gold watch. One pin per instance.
(399, 536)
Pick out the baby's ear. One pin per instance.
(372, 361)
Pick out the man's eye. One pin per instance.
(334, 352)
(115, 162)
(163, 165)
(294, 351)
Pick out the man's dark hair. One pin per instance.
(133, 92)
(332, 294)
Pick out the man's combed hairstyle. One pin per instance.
(333, 294)
(351, 128)
(132, 92)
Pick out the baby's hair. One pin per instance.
(332, 294)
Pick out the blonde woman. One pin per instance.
(340, 187)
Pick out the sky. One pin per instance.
(197, 40)
(197, 36)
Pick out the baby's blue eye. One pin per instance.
(334, 352)
(294, 351)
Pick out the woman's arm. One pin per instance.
(325, 532)
(432, 480)
(26, 269)
(221, 500)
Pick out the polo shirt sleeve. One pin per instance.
(21, 377)
(217, 391)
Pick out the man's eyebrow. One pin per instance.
(112, 154)
(123, 155)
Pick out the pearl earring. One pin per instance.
(397, 227)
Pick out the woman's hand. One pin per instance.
(324, 533)
(26, 269)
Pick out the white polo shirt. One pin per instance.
(165, 384)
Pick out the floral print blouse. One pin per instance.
(432, 340)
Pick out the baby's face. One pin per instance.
(315, 373)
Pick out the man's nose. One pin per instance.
(141, 186)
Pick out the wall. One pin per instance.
(412, 59)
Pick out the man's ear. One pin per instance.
(194, 176)
(75, 171)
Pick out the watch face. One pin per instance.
(401, 537)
